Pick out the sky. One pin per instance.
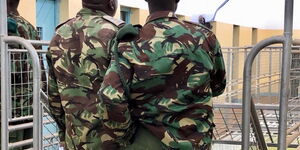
(266, 14)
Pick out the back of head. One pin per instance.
(107, 6)
(12, 5)
(162, 5)
(93, 4)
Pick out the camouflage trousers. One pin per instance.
(144, 140)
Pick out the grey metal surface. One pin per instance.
(4, 116)
(3, 18)
(30, 117)
(257, 128)
(20, 126)
(37, 118)
(267, 127)
(247, 86)
(285, 73)
(20, 143)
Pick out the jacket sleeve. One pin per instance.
(54, 100)
(117, 121)
(218, 74)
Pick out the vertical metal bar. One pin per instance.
(270, 77)
(285, 70)
(231, 74)
(236, 119)
(3, 47)
(228, 88)
(247, 87)
(257, 128)
(257, 73)
(279, 67)
(225, 124)
(267, 127)
(3, 18)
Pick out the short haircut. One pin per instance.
(13, 3)
(162, 4)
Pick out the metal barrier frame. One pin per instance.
(286, 39)
(37, 109)
(247, 87)
(4, 113)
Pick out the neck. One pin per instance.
(153, 9)
(12, 10)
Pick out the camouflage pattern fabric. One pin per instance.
(172, 70)
(78, 58)
(22, 89)
(24, 28)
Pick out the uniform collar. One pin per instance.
(161, 14)
(86, 11)
(13, 13)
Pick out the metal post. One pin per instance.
(4, 81)
(270, 78)
(3, 18)
(257, 128)
(285, 73)
(247, 87)
(37, 111)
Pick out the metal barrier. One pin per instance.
(228, 131)
(44, 130)
(228, 118)
(266, 76)
(265, 86)
(5, 90)
(284, 90)
(247, 87)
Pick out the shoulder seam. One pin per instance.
(116, 22)
(58, 26)
(199, 25)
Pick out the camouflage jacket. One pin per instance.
(24, 28)
(21, 77)
(171, 72)
(78, 59)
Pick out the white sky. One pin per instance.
(267, 14)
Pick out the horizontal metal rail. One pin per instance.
(21, 118)
(251, 143)
(27, 125)
(30, 141)
(20, 143)
(257, 106)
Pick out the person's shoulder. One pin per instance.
(23, 22)
(197, 25)
(116, 22)
(127, 34)
(64, 23)
(208, 33)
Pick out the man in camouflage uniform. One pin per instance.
(21, 77)
(78, 58)
(24, 28)
(162, 83)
